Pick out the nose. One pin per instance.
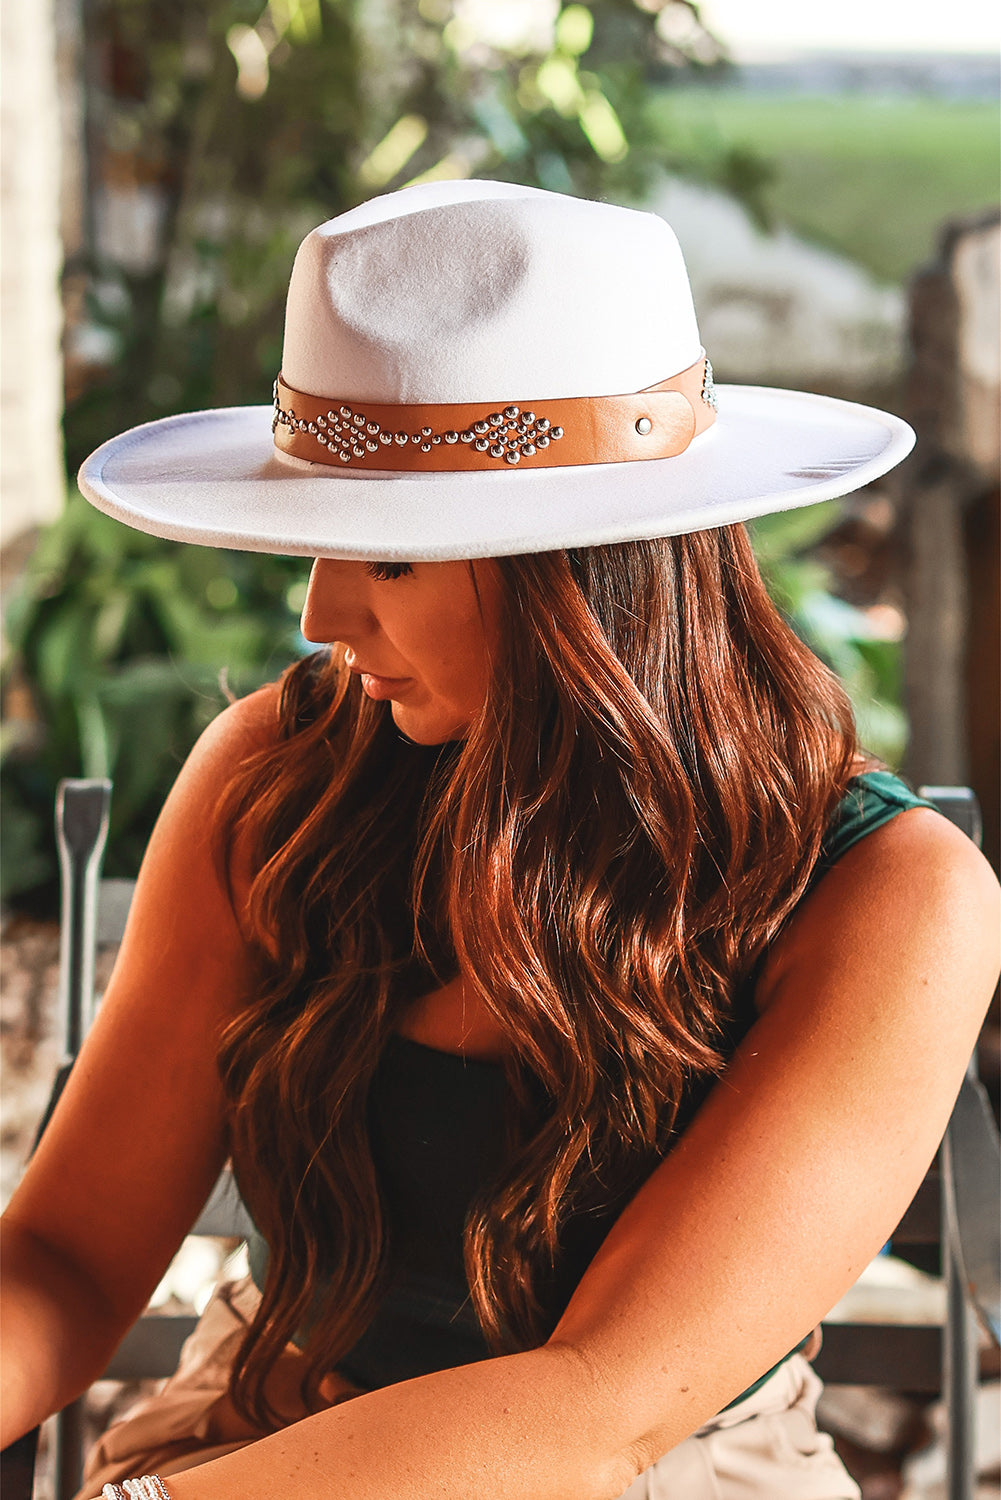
(336, 607)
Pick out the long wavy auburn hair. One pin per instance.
(604, 857)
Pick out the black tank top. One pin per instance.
(437, 1123)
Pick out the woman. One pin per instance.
(448, 937)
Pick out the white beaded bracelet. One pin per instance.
(146, 1487)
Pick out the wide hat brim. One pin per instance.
(214, 478)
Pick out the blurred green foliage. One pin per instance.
(121, 649)
(869, 666)
(230, 128)
(871, 176)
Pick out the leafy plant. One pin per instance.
(842, 635)
(122, 648)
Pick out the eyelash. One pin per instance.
(384, 571)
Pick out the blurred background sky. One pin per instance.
(781, 26)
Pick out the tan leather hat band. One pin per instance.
(659, 422)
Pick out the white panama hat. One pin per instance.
(478, 369)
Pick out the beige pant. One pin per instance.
(765, 1448)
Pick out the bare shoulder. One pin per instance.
(915, 891)
(247, 725)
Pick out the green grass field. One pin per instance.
(873, 177)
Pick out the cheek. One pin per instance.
(455, 659)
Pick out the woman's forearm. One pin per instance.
(56, 1333)
(532, 1426)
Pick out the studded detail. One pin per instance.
(709, 388)
(643, 426)
(508, 435)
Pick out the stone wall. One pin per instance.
(949, 519)
(31, 454)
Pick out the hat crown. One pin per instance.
(457, 292)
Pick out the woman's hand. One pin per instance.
(138, 1138)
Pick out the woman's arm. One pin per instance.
(138, 1137)
(788, 1181)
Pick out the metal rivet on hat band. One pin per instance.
(464, 436)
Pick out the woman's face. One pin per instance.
(423, 640)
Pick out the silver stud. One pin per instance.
(481, 427)
(527, 417)
(385, 437)
(358, 450)
(345, 411)
(542, 424)
(497, 451)
(466, 437)
(556, 433)
(510, 411)
(495, 419)
(401, 438)
(709, 388)
(321, 440)
(415, 437)
(452, 437)
(513, 457)
(344, 457)
(372, 428)
(371, 445)
(425, 432)
(436, 438)
(481, 445)
(643, 426)
(527, 450)
(358, 419)
(331, 416)
(321, 421)
(313, 428)
(542, 441)
(425, 447)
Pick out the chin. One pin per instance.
(427, 728)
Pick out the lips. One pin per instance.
(383, 687)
